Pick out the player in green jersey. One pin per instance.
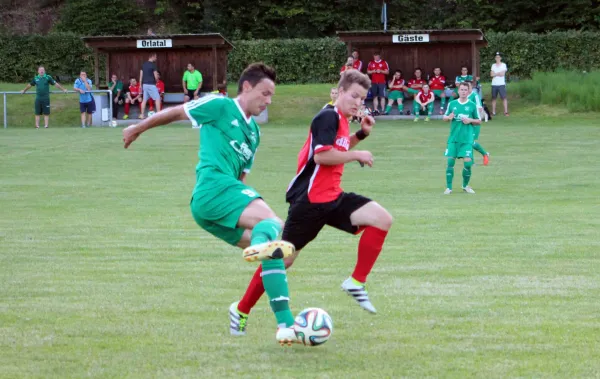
(462, 114)
(474, 97)
(463, 77)
(222, 203)
(42, 83)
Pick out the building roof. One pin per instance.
(179, 40)
(440, 35)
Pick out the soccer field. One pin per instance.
(103, 272)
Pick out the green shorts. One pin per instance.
(459, 150)
(395, 95)
(476, 130)
(438, 92)
(217, 204)
(41, 107)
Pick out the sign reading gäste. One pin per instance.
(410, 38)
(153, 43)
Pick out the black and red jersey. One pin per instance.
(316, 183)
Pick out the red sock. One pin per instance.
(369, 247)
(150, 105)
(127, 108)
(253, 293)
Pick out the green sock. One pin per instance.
(466, 175)
(276, 286)
(265, 231)
(388, 109)
(450, 173)
(401, 107)
(443, 102)
(479, 148)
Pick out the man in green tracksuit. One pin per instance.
(42, 83)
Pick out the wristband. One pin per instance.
(361, 135)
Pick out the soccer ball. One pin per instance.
(113, 124)
(313, 326)
(150, 114)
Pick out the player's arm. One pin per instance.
(58, 85)
(29, 85)
(369, 71)
(141, 77)
(366, 126)
(199, 85)
(431, 98)
(449, 115)
(386, 71)
(164, 117)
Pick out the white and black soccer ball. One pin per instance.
(313, 326)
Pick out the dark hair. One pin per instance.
(350, 77)
(254, 73)
(221, 87)
(464, 66)
(398, 70)
(191, 64)
(152, 55)
(418, 68)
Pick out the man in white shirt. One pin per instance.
(498, 74)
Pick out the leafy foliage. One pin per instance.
(101, 17)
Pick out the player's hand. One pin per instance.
(364, 157)
(366, 124)
(65, 90)
(130, 134)
(466, 120)
(22, 92)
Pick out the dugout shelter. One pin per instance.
(125, 55)
(406, 49)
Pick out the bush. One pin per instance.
(579, 91)
(60, 53)
(101, 17)
(296, 60)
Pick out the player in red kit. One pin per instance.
(424, 102)
(437, 84)
(378, 69)
(316, 198)
(415, 84)
(133, 96)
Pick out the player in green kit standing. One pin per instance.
(222, 204)
(463, 115)
(42, 83)
(474, 97)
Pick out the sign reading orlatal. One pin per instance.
(410, 38)
(154, 43)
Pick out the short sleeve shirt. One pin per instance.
(42, 85)
(148, 69)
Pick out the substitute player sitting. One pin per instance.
(463, 115)
(414, 85)
(424, 102)
(316, 198)
(396, 85)
(437, 83)
(134, 96)
(463, 77)
(222, 204)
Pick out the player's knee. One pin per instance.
(468, 163)
(451, 162)
(384, 220)
(289, 261)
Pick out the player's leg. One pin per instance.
(494, 96)
(390, 103)
(354, 214)
(46, 112)
(46, 121)
(443, 101)
(416, 109)
(127, 105)
(37, 121)
(429, 110)
(451, 160)
(502, 92)
(375, 93)
(303, 224)
(466, 152)
(150, 105)
(145, 97)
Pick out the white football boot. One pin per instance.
(237, 321)
(359, 293)
(468, 189)
(286, 336)
(448, 191)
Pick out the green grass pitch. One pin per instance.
(104, 274)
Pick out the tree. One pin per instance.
(101, 17)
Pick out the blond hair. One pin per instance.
(352, 76)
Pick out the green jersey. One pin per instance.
(42, 86)
(459, 132)
(474, 97)
(118, 87)
(228, 139)
(464, 78)
(192, 79)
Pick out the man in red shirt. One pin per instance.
(423, 101)
(415, 84)
(348, 65)
(133, 96)
(316, 198)
(357, 65)
(160, 85)
(437, 83)
(378, 69)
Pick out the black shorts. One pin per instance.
(305, 220)
(499, 90)
(190, 93)
(378, 90)
(88, 108)
(41, 107)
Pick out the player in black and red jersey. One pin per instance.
(316, 198)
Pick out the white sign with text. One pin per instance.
(154, 43)
(410, 38)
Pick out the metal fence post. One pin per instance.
(4, 109)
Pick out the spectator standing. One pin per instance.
(498, 74)
(87, 105)
(192, 83)
(378, 69)
(116, 87)
(148, 79)
(357, 64)
(160, 86)
(41, 106)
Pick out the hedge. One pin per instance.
(307, 60)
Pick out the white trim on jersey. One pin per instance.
(195, 104)
(237, 102)
(312, 179)
(310, 154)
